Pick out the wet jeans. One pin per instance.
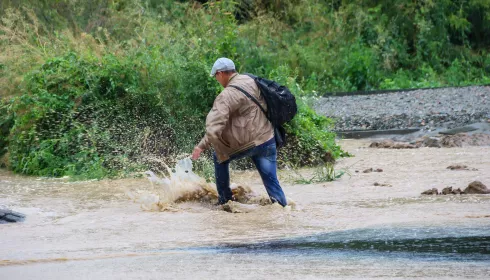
(264, 158)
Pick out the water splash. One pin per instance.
(183, 185)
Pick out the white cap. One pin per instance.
(222, 64)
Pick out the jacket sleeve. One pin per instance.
(224, 105)
(204, 143)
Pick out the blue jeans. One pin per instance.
(264, 158)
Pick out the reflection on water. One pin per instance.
(438, 243)
(425, 199)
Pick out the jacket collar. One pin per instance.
(232, 77)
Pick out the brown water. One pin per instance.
(343, 229)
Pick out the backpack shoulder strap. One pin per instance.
(251, 97)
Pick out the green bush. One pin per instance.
(84, 117)
(310, 141)
(89, 118)
(6, 123)
(101, 88)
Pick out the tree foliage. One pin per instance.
(95, 87)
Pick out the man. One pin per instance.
(236, 128)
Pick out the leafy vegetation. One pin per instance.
(94, 88)
(322, 173)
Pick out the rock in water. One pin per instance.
(463, 140)
(447, 190)
(457, 167)
(8, 216)
(477, 187)
(457, 191)
(431, 142)
(389, 144)
(382, 144)
(432, 191)
(382, 185)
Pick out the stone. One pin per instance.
(463, 140)
(382, 144)
(432, 191)
(457, 167)
(476, 187)
(431, 142)
(447, 190)
(8, 216)
(369, 170)
(451, 141)
(382, 185)
(457, 191)
(389, 144)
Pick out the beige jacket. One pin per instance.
(236, 123)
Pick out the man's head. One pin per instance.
(222, 70)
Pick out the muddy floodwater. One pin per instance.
(349, 228)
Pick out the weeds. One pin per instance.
(321, 174)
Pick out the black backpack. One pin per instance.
(281, 105)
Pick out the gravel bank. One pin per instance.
(427, 109)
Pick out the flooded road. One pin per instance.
(349, 228)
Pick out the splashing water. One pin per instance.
(183, 185)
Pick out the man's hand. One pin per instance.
(196, 153)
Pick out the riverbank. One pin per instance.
(425, 109)
(91, 229)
